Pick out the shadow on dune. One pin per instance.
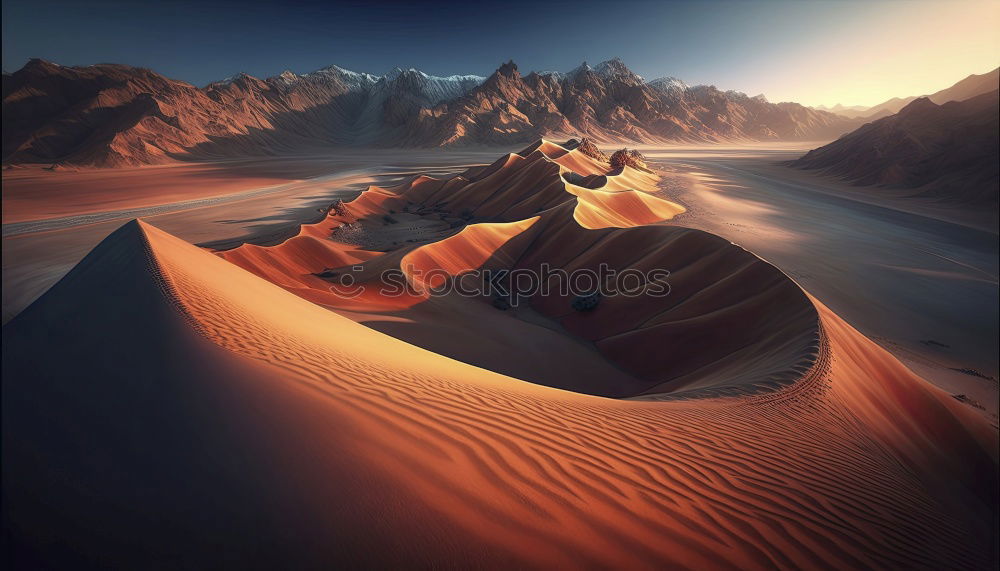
(730, 324)
(220, 421)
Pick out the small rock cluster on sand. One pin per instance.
(632, 158)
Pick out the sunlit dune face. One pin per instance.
(522, 214)
(243, 404)
(430, 266)
(597, 209)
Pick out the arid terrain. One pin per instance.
(113, 115)
(751, 425)
(329, 284)
(918, 277)
(946, 153)
(971, 86)
(51, 219)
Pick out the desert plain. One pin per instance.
(817, 390)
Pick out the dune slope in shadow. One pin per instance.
(727, 321)
(163, 405)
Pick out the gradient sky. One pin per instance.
(812, 52)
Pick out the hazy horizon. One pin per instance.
(817, 53)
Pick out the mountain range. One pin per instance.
(111, 115)
(848, 110)
(948, 152)
(967, 88)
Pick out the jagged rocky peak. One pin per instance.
(580, 69)
(588, 148)
(604, 102)
(615, 68)
(288, 77)
(430, 88)
(397, 72)
(242, 80)
(352, 79)
(405, 78)
(509, 69)
(667, 84)
(628, 157)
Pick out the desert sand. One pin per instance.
(915, 275)
(32, 194)
(39, 251)
(64, 197)
(215, 416)
(935, 323)
(569, 227)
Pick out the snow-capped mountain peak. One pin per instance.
(431, 88)
(288, 77)
(396, 72)
(352, 79)
(668, 84)
(615, 68)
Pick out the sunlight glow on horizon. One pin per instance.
(813, 52)
(887, 50)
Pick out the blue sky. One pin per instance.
(809, 51)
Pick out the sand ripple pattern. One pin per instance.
(796, 478)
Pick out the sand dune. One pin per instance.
(600, 209)
(429, 266)
(243, 405)
(532, 181)
(713, 283)
(163, 404)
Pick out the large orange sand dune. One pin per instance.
(164, 407)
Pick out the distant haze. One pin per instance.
(824, 52)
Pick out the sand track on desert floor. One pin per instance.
(161, 403)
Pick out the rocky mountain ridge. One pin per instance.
(112, 115)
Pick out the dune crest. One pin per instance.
(527, 217)
(467, 250)
(858, 463)
(521, 213)
(213, 415)
(516, 187)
